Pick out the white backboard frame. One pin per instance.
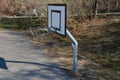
(57, 18)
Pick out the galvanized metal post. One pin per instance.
(75, 50)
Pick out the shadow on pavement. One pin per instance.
(34, 63)
(48, 71)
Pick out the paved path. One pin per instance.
(22, 60)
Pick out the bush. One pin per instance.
(23, 23)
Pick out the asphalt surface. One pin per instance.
(20, 59)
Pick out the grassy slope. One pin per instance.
(101, 44)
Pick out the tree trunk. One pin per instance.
(117, 4)
(108, 6)
(96, 8)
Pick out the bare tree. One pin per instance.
(81, 8)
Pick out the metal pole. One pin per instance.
(33, 34)
(75, 50)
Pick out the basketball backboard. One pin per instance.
(57, 18)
